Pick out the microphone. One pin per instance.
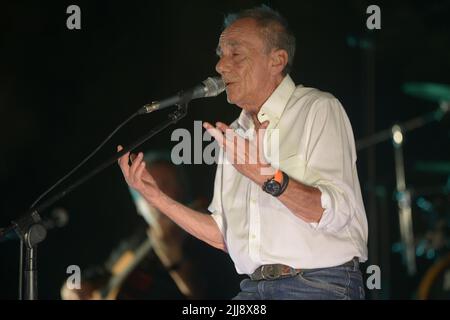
(58, 218)
(211, 87)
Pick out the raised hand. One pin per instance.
(137, 176)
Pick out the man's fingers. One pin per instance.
(260, 143)
(262, 131)
(123, 162)
(235, 145)
(134, 172)
(262, 128)
(215, 133)
(222, 126)
(139, 171)
(228, 133)
(136, 162)
(207, 125)
(264, 125)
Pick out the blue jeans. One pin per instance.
(336, 283)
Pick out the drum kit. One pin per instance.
(432, 231)
(423, 213)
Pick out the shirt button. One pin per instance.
(262, 117)
(253, 236)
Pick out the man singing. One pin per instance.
(301, 231)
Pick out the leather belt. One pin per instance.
(277, 271)
(273, 271)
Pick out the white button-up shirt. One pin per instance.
(316, 148)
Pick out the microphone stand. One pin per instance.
(29, 226)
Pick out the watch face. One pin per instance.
(273, 187)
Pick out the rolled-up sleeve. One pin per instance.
(218, 218)
(216, 213)
(331, 163)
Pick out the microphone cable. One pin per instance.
(83, 161)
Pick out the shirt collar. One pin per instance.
(274, 106)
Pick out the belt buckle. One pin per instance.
(272, 272)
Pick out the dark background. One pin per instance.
(62, 91)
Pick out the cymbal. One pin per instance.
(426, 90)
(439, 167)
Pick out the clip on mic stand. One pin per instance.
(29, 228)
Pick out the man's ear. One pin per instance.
(279, 60)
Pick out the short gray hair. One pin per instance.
(274, 28)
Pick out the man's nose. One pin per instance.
(222, 66)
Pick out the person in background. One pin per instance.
(159, 260)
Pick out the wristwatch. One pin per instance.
(277, 184)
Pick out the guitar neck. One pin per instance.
(124, 267)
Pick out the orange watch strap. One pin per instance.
(278, 177)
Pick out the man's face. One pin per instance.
(244, 63)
